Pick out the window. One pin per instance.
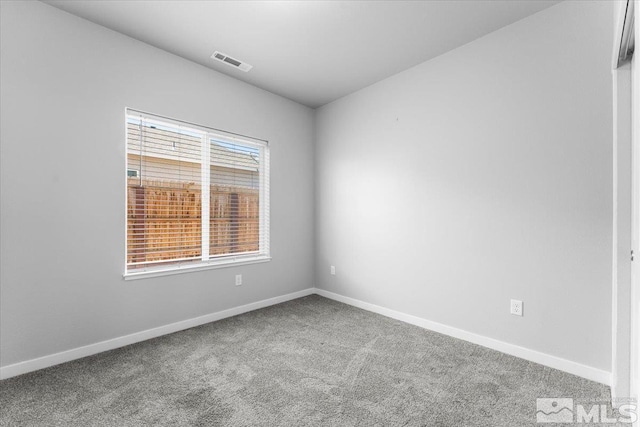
(196, 197)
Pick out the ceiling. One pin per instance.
(312, 52)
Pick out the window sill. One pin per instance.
(168, 271)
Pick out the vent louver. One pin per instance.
(232, 62)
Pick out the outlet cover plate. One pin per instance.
(516, 307)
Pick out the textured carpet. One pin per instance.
(308, 362)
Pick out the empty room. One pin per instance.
(319, 213)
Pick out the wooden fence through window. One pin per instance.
(164, 221)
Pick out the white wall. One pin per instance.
(65, 83)
(621, 293)
(482, 175)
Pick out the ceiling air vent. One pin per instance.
(243, 66)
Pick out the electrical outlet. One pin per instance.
(333, 270)
(516, 307)
(238, 279)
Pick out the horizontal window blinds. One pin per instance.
(194, 194)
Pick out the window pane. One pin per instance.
(164, 199)
(235, 193)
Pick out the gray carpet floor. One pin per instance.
(307, 362)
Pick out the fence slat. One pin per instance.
(164, 220)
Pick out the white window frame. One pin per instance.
(207, 261)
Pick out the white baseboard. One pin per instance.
(565, 365)
(91, 349)
(559, 363)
